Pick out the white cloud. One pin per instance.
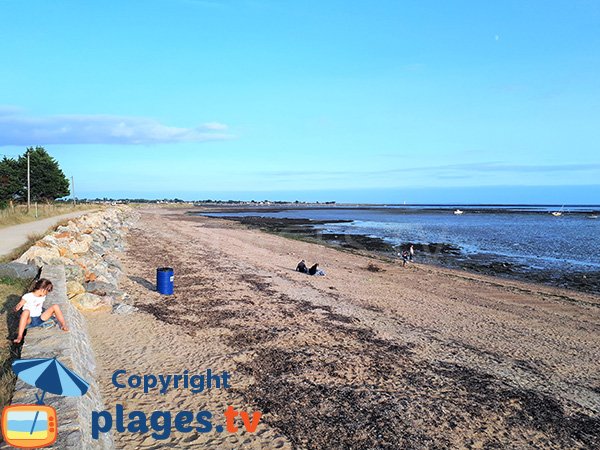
(16, 128)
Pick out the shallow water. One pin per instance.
(530, 237)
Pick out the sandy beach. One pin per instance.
(372, 355)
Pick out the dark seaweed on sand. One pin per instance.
(404, 401)
(427, 405)
(352, 389)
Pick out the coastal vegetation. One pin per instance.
(18, 214)
(47, 184)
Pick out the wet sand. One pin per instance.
(372, 355)
(442, 254)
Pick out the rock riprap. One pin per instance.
(88, 249)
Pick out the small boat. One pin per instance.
(458, 212)
(592, 216)
(556, 213)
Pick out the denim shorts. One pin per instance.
(36, 322)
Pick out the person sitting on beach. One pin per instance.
(301, 267)
(33, 314)
(314, 270)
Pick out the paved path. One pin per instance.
(16, 235)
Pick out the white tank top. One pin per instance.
(33, 304)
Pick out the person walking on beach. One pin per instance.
(411, 253)
(404, 258)
(33, 314)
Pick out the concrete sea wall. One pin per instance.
(74, 350)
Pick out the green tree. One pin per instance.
(48, 182)
(10, 184)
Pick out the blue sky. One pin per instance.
(372, 101)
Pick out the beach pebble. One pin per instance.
(122, 308)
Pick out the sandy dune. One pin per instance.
(420, 357)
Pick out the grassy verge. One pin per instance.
(11, 291)
(18, 214)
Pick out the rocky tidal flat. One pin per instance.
(444, 254)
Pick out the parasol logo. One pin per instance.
(36, 425)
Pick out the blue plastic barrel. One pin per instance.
(164, 280)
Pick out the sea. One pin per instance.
(527, 237)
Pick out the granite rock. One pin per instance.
(74, 288)
(75, 273)
(19, 270)
(92, 303)
(100, 288)
(41, 255)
